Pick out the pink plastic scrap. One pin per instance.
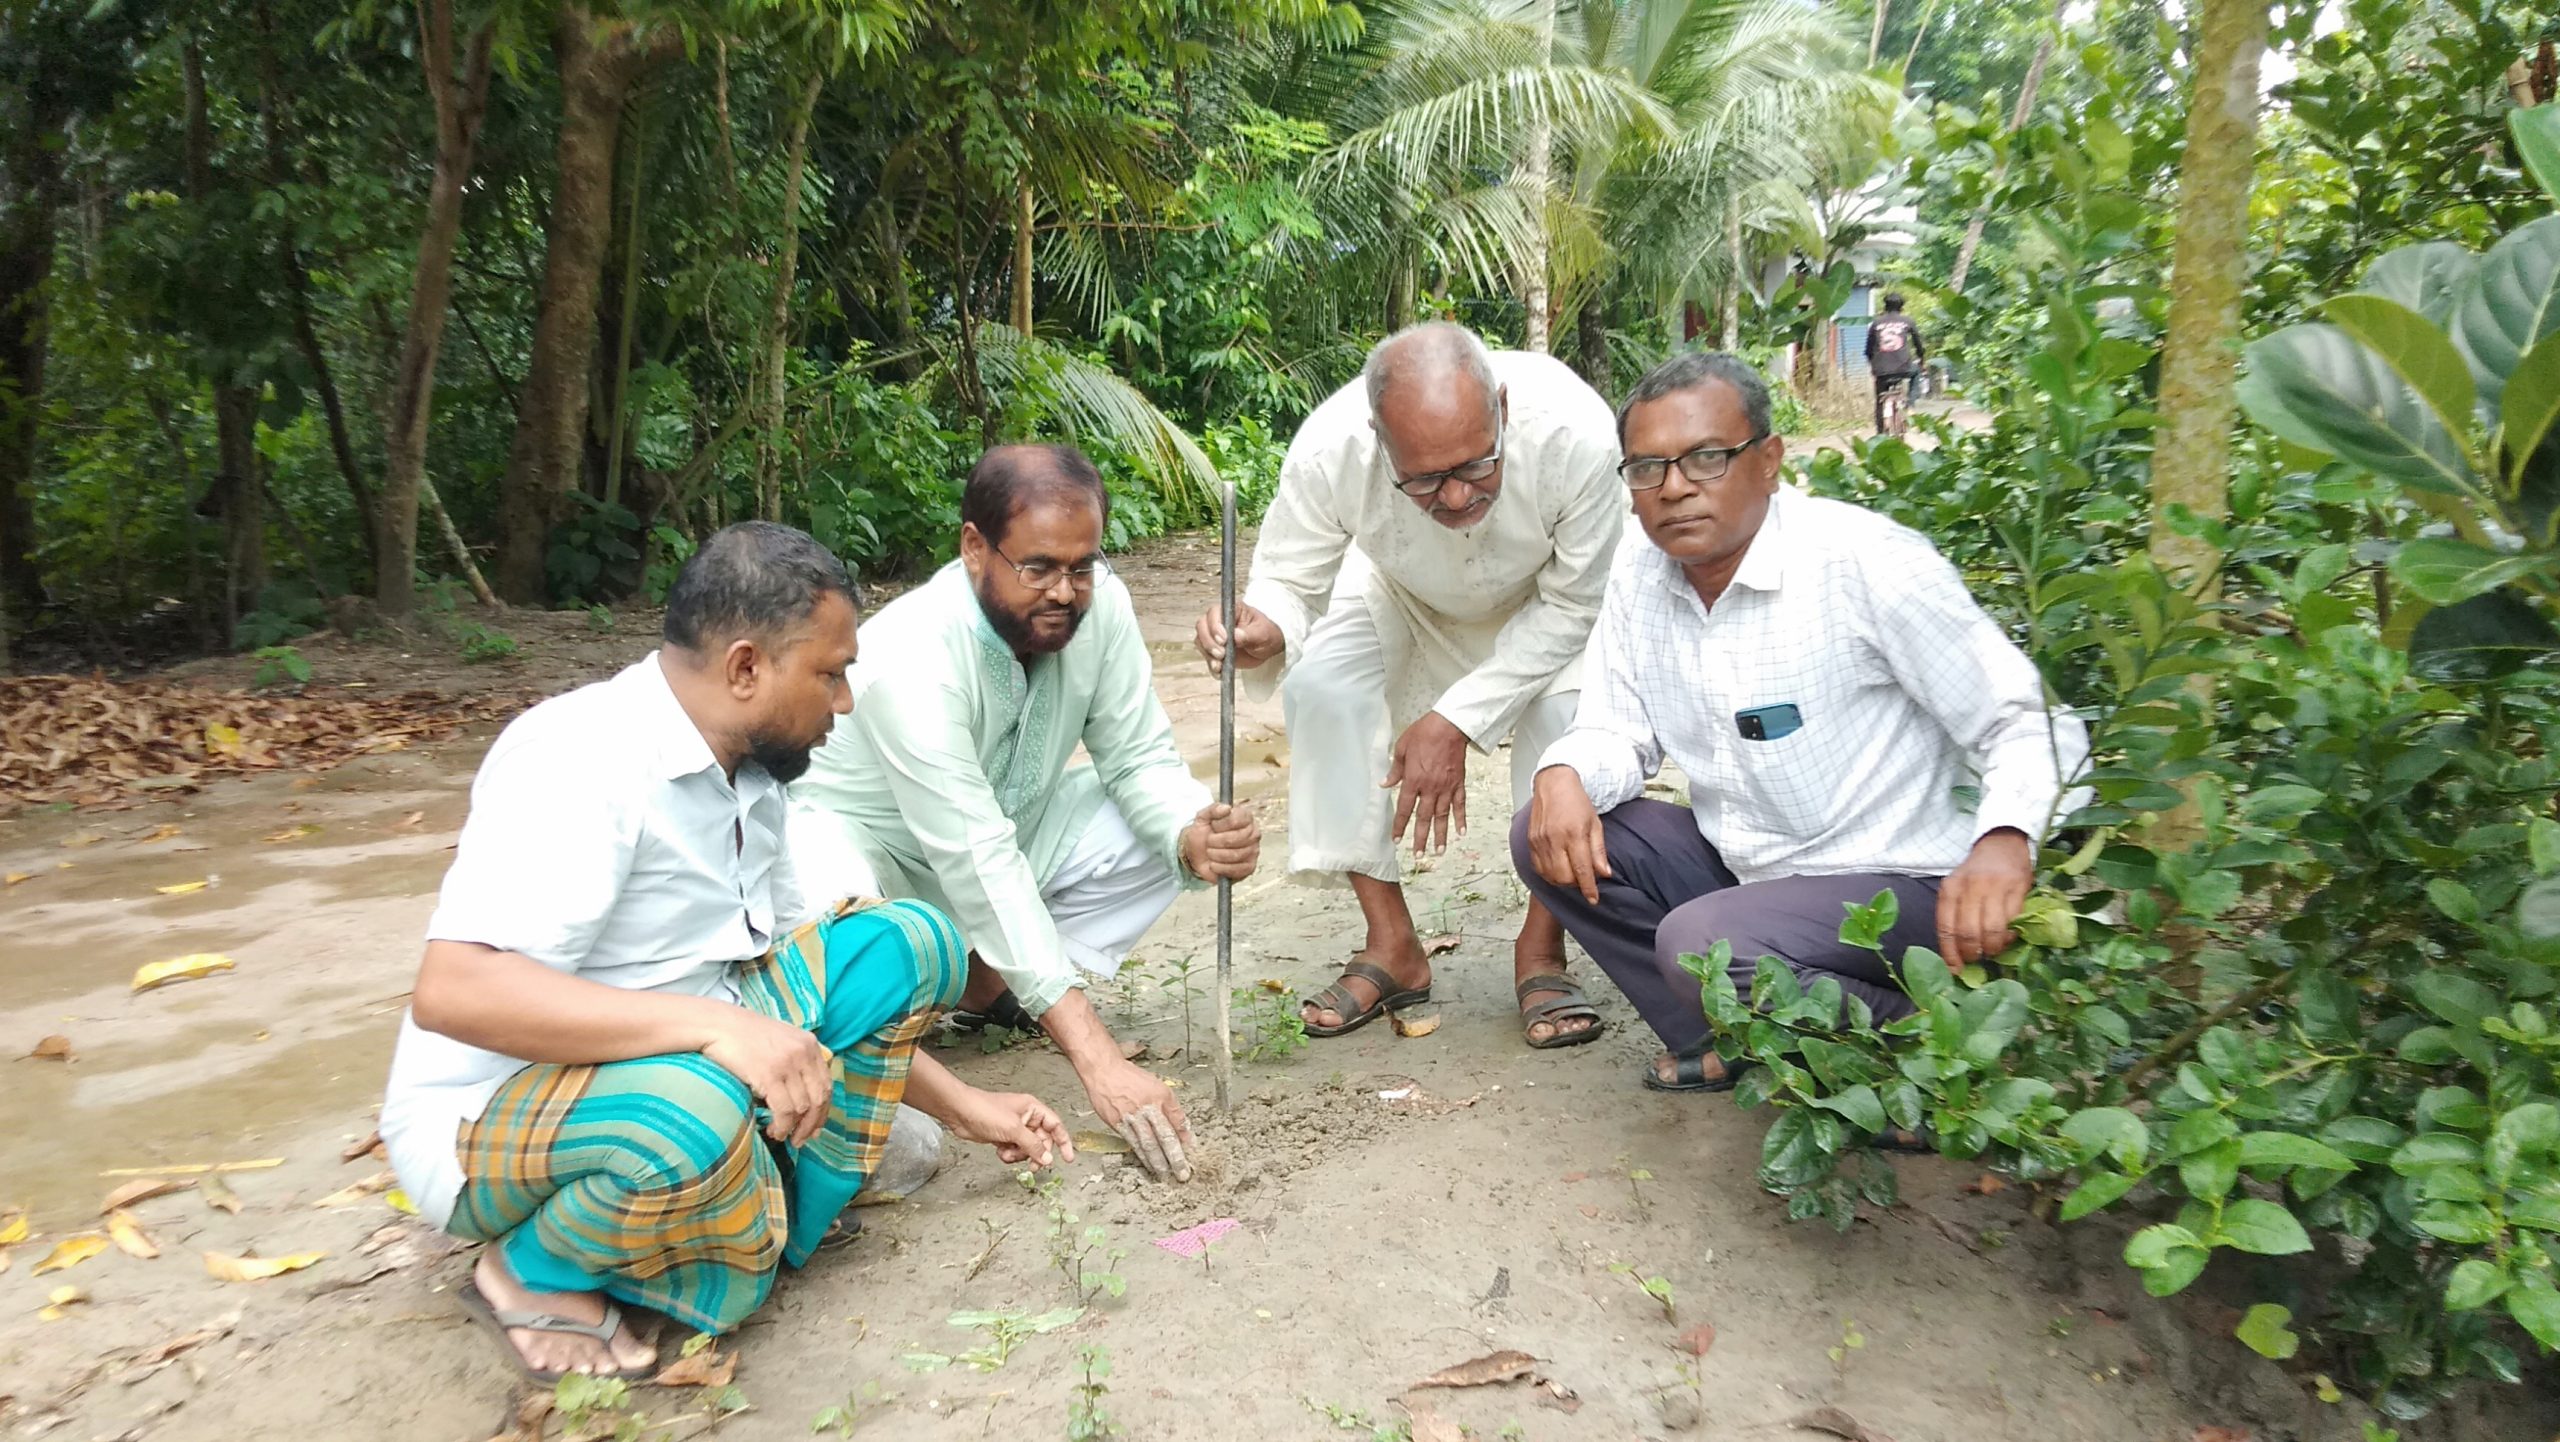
(1192, 1241)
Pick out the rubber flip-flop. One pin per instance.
(1689, 1074)
(1005, 1011)
(1338, 999)
(501, 1323)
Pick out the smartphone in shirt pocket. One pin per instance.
(1769, 723)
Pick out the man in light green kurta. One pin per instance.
(950, 782)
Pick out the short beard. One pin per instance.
(1015, 631)
(781, 760)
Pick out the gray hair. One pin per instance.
(755, 579)
(1427, 351)
(1692, 368)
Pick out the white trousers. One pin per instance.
(1341, 738)
(1104, 895)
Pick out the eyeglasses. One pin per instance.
(1042, 574)
(1706, 463)
(1473, 473)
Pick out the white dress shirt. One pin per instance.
(605, 841)
(1907, 690)
(1487, 619)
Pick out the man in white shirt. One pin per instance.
(1826, 684)
(950, 781)
(1473, 498)
(629, 1064)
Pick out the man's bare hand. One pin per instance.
(1980, 898)
(1021, 1127)
(1429, 771)
(1567, 844)
(1223, 843)
(1258, 638)
(1138, 1105)
(785, 1068)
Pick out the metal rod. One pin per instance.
(1226, 784)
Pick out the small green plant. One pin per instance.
(1658, 1288)
(1186, 991)
(1083, 1258)
(485, 643)
(1512, 1431)
(1008, 1330)
(1273, 1027)
(1087, 1420)
(1636, 1178)
(1851, 1339)
(600, 619)
(1352, 1419)
(279, 666)
(843, 1417)
(597, 1407)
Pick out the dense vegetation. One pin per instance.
(303, 300)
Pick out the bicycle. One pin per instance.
(1893, 404)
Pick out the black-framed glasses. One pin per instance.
(1473, 473)
(1043, 573)
(1706, 463)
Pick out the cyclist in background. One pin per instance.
(1894, 353)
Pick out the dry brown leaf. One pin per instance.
(1430, 1426)
(56, 1300)
(213, 1331)
(1838, 1424)
(414, 818)
(1590, 1212)
(1986, 1185)
(1132, 1049)
(1698, 1340)
(161, 832)
(709, 1367)
(183, 888)
(1577, 1176)
(142, 1191)
(1407, 1025)
(218, 1194)
(194, 1169)
(70, 1252)
(13, 1230)
(1558, 1395)
(358, 1191)
(1446, 941)
(130, 1237)
(372, 1143)
(291, 833)
(255, 1269)
(52, 1048)
(180, 968)
(1274, 985)
(1503, 1366)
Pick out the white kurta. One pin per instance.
(1474, 624)
(951, 778)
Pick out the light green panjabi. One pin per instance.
(951, 776)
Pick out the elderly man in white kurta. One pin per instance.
(950, 781)
(1427, 579)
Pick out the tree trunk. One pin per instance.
(1735, 262)
(237, 495)
(459, 104)
(616, 439)
(1536, 173)
(598, 60)
(777, 322)
(1592, 338)
(970, 381)
(1875, 36)
(2208, 269)
(1928, 13)
(2017, 122)
(1024, 215)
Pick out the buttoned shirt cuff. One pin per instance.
(2031, 816)
(1607, 765)
(1261, 683)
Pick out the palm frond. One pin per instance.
(1095, 402)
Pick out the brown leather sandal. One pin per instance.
(1338, 999)
(1565, 1002)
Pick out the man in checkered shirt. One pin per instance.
(1829, 689)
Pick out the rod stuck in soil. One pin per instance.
(1226, 783)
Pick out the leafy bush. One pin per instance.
(485, 643)
(285, 609)
(2316, 1010)
(279, 666)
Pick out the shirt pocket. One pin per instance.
(1795, 782)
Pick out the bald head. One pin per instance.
(1437, 359)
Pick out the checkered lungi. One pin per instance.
(651, 1180)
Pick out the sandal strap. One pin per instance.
(1554, 981)
(1560, 1008)
(603, 1331)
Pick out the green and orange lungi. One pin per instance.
(651, 1180)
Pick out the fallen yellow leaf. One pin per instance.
(17, 876)
(14, 1230)
(141, 1191)
(358, 1191)
(161, 832)
(180, 968)
(254, 1269)
(222, 740)
(400, 1202)
(52, 1048)
(181, 889)
(130, 1236)
(292, 833)
(218, 1193)
(71, 1252)
(85, 839)
(1413, 1025)
(56, 1300)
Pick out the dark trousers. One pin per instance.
(1669, 894)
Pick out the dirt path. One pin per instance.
(1405, 1204)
